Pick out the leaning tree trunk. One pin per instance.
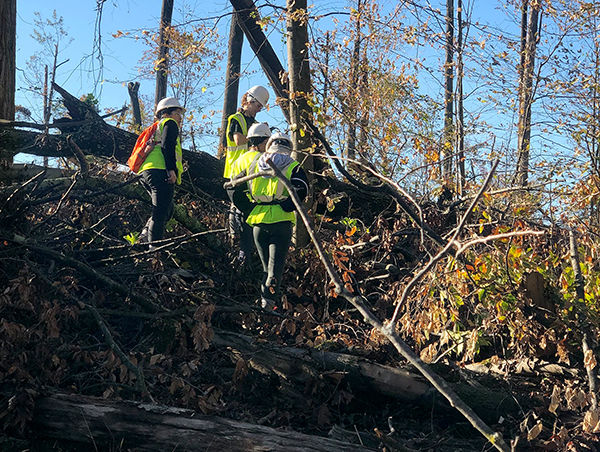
(248, 16)
(163, 50)
(8, 41)
(232, 77)
(526, 96)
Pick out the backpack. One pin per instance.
(143, 146)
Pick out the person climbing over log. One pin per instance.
(238, 124)
(270, 210)
(162, 168)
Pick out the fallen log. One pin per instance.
(298, 366)
(148, 427)
(94, 136)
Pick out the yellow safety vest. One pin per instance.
(234, 151)
(156, 159)
(268, 190)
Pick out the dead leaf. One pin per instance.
(591, 422)
(554, 400)
(589, 360)
(241, 370)
(324, 416)
(535, 431)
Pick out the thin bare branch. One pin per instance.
(358, 302)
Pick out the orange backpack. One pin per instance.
(143, 146)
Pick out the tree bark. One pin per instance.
(448, 146)
(460, 129)
(149, 427)
(163, 51)
(300, 90)
(352, 104)
(248, 16)
(8, 45)
(526, 96)
(232, 78)
(133, 88)
(300, 366)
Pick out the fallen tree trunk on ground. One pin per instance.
(129, 425)
(297, 365)
(94, 136)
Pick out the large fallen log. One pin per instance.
(94, 136)
(126, 425)
(295, 365)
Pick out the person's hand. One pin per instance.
(171, 177)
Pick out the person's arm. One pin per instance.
(300, 183)
(235, 133)
(167, 145)
(239, 197)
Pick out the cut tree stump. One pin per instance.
(139, 426)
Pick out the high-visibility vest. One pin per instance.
(234, 151)
(266, 192)
(156, 159)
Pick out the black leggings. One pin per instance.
(161, 192)
(272, 242)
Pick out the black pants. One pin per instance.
(239, 229)
(272, 242)
(161, 192)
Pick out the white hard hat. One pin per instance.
(280, 143)
(260, 94)
(167, 102)
(259, 129)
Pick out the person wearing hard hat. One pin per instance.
(163, 167)
(258, 134)
(272, 215)
(238, 124)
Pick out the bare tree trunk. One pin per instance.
(232, 77)
(163, 52)
(352, 104)
(326, 72)
(460, 113)
(46, 119)
(448, 146)
(594, 133)
(8, 45)
(363, 144)
(133, 89)
(300, 89)
(526, 96)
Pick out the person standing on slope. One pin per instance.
(163, 167)
(272, 216)
(238, 124)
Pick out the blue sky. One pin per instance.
(120, 56)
